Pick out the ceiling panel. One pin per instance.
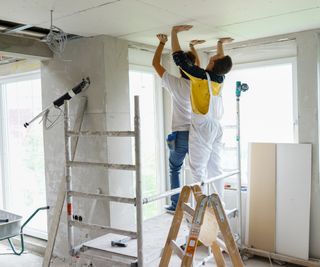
(124, 17)
(277, 25)
(217, 13)
(197, 32)
(37, 12)
(140, 20)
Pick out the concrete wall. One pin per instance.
(105, 60)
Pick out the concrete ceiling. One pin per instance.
(141, 20)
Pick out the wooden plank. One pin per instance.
(55, 223)
(293, 200)
(262, 196)
(288, 259)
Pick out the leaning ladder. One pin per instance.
(137, 201)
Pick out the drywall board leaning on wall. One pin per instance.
(262, 196)
(293, 189)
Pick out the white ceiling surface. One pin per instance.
(141, 20)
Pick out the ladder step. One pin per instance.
(105, 229)
(176, 248)
(102, 133)
(101, 196)
(188, 209)
(127, 167)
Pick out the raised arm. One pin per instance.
(156, 62)
(194, 51)
(175, 45)
(180, 58)
(220, 44)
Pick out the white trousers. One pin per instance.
(205, 149)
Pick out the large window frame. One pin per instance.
(4, 149)
(159, 134)
(261, 63)
(285, 60)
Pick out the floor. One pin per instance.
(31, 260)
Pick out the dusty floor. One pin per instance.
(32, 260)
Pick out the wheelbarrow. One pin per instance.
(10, 226)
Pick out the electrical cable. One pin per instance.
(45, 119)
(56, 38)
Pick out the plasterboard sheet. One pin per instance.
(293, 199)
(271, 24)
(262, 196)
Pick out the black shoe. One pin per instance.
(170, 209)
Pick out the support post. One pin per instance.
(139, 204)
(68, 173)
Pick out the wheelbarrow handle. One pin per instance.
(32, 215)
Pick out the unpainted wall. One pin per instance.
(105, 60)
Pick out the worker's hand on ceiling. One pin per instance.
(181, 28)
(163, 38)
(196, 42)
(226, 40)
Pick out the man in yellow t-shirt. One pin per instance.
(205, 94)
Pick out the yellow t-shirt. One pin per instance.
(200, 96)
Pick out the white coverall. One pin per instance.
(205, 142)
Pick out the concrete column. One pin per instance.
(104, 59)
(308, 108)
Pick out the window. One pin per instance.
(22, 155)
(266, 109)
(143, 84)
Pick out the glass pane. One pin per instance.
(143, 85)
(266, 108)
(24, 163)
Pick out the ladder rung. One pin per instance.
(128, 167)
(177, 250)
(188, 209)
(101, 196)
(102, 133)
(105, 229)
